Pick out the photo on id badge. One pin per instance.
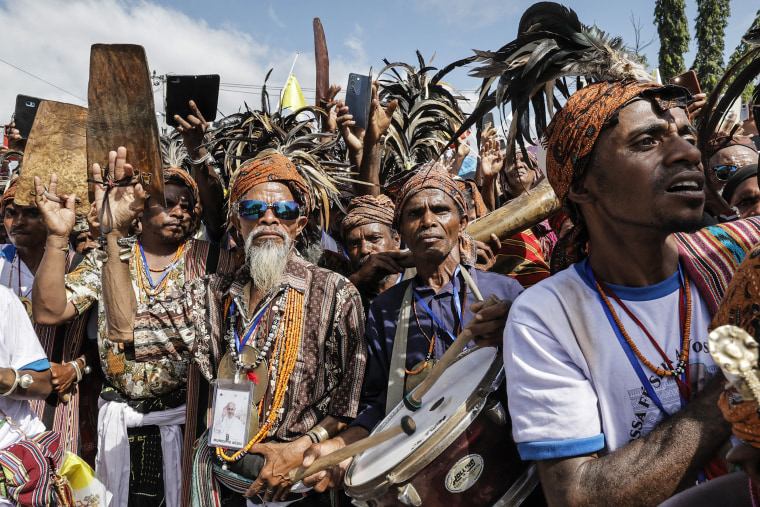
(231, 412)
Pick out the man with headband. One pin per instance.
(372, 245)
(604, 359)
(280, 323)
(431, 216)
(142, 405)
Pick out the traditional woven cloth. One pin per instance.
(435, 176)
(27, 469)
(367, 209)
(273, 167)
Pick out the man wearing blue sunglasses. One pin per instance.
(279, 320)
(725, 155)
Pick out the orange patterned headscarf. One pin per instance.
(9, 194)
(181, 177)
(569, 141)
(367, 209)
(274, 167)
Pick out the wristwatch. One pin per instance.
(26, 381)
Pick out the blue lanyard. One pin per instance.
(457, 304)
(628, 352)
(238, 342)
(147, 269)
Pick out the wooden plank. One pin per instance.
(122, 113)
(56, 144)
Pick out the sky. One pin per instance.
(47, 47)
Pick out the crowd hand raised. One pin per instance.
(124, 203)
(491, 158)
(487, 252)
(695, 107)
(59, 217)
(486, 328)
(64, 376)
(15, 141)
(329, 478)
(273, 483)
(379, 117)
(193, 130)
(353, 136)
(328, 104)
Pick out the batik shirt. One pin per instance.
(135, 379)
(329, 370)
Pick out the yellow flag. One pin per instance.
(292, 98)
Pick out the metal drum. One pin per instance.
(462, 453)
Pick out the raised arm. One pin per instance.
(193, 129)
(379, 121)
(49, 303)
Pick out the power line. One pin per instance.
(46, 82)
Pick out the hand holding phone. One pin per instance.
(689, 81)
(180, 90)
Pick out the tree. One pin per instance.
(741, 50)
(673, 29)
(711, 22)
(640, 45)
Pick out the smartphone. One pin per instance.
(359, 98)
(688, 80)
(23, 116)
(180, 90)
(487, 118)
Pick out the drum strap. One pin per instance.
(396, 374)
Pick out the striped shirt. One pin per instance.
(327, 378)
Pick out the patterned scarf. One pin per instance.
(367, 209)
(275, 167)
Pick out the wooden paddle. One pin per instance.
(406, 426)
(122, 113)
(322, 62)
(56, 144)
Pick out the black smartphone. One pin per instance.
(359, 98)
(23, 116)
(487, 118)
(180, 90)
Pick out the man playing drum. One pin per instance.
(431, 216)
(608, 374)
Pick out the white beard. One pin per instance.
(266, 262)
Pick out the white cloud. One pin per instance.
(54, 38)
(275, 18)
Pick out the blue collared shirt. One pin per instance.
(380, 331)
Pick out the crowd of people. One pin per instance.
(294, 284)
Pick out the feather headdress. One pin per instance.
(551, 46)
(728, 90)
(427, 115)
(317, 156)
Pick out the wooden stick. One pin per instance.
(413, 400)
(407, 426)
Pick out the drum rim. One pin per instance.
(426, 453)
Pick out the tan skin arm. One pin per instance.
(646, 471)
(334, 476)
(49, 302)
(39, 390)
(273, 483)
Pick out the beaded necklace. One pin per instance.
(16, 259)
(684, 311)
(144, 280)
(236, 344)
(284, 355)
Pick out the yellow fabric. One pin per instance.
(77, 471)
(292, 98)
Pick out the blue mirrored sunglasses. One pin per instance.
(253, 209)
(724, 172)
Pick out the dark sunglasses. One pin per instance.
(253, 209)
(724, 172)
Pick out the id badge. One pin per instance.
(231, 414)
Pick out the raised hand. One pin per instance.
(379, 118)
(331, 125)
(192, 130)
(123, 203)
(353, 136)
(59, 217)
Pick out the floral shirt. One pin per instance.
(135, 379)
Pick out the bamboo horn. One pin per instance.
(406, 426)
(522, 213)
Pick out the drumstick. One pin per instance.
(413, 400)
(406, 426)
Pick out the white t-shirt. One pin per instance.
(571, 386)
(14, 273)
(19, 348)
